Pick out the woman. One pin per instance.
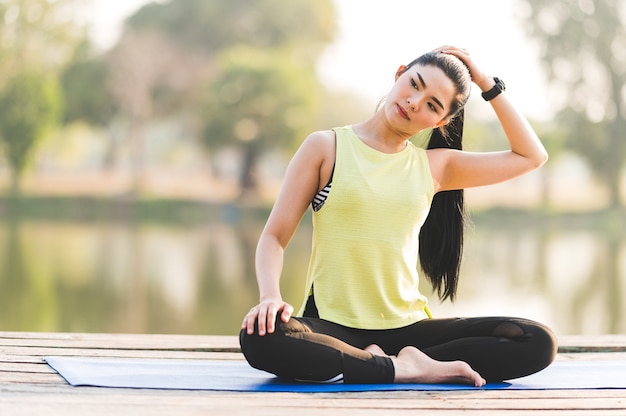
(363, 319)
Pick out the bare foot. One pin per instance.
(376, 350)
(413, 366)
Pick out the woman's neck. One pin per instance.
(378, 134)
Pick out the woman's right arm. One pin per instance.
(311, 165)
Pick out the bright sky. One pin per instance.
(375, 37)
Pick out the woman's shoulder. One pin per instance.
(321, 140)
(322, 136)
(318, 149)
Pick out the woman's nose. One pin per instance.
(413, 102)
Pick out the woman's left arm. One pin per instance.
(459, 169)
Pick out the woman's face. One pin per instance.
(420, 98)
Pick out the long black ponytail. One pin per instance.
(441, 236)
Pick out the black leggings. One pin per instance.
(309, 348)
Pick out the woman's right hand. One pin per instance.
(265, 313)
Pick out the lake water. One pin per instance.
(199, 279)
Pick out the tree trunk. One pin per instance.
(249, 180)
(138, 155)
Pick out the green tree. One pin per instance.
(87, 98)
(149, 77)
(186, 36)
(244, 51)
(202, 30)
(38, 33)
(30, 105)
(37, 38)
(583, 49)
(258, 102)
(209, 26)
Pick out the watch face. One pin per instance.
(495, 90)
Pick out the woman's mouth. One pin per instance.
(402, 112)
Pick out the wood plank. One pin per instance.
(34, 355)
(594, 356)
(123, 341)
(567, 344)
(116, 353)
(29, 387)
(40, 367)
(283, 404)
(192, 403)
(30, 378)
(592, 343)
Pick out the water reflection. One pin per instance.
(116, 277)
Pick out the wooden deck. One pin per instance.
(29, 387)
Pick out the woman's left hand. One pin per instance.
(484, 82)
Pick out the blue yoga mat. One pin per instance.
(239, 376)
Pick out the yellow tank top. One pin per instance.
(364, 259)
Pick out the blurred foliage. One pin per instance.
(255, 87)
(30, 105)
(84, 84)
(38, 33)
(583, 49)
(169, 56)
(214, 25)
(241, 74)
(37, 37)
(259, 101)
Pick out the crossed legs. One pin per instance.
(453, 350)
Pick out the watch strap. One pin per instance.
(495, 90)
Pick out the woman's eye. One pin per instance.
(413, 83)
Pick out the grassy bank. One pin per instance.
(93, 208)
(189, 211)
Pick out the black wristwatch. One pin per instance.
(495, 90)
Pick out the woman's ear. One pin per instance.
(442, 122)
(401, 70)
